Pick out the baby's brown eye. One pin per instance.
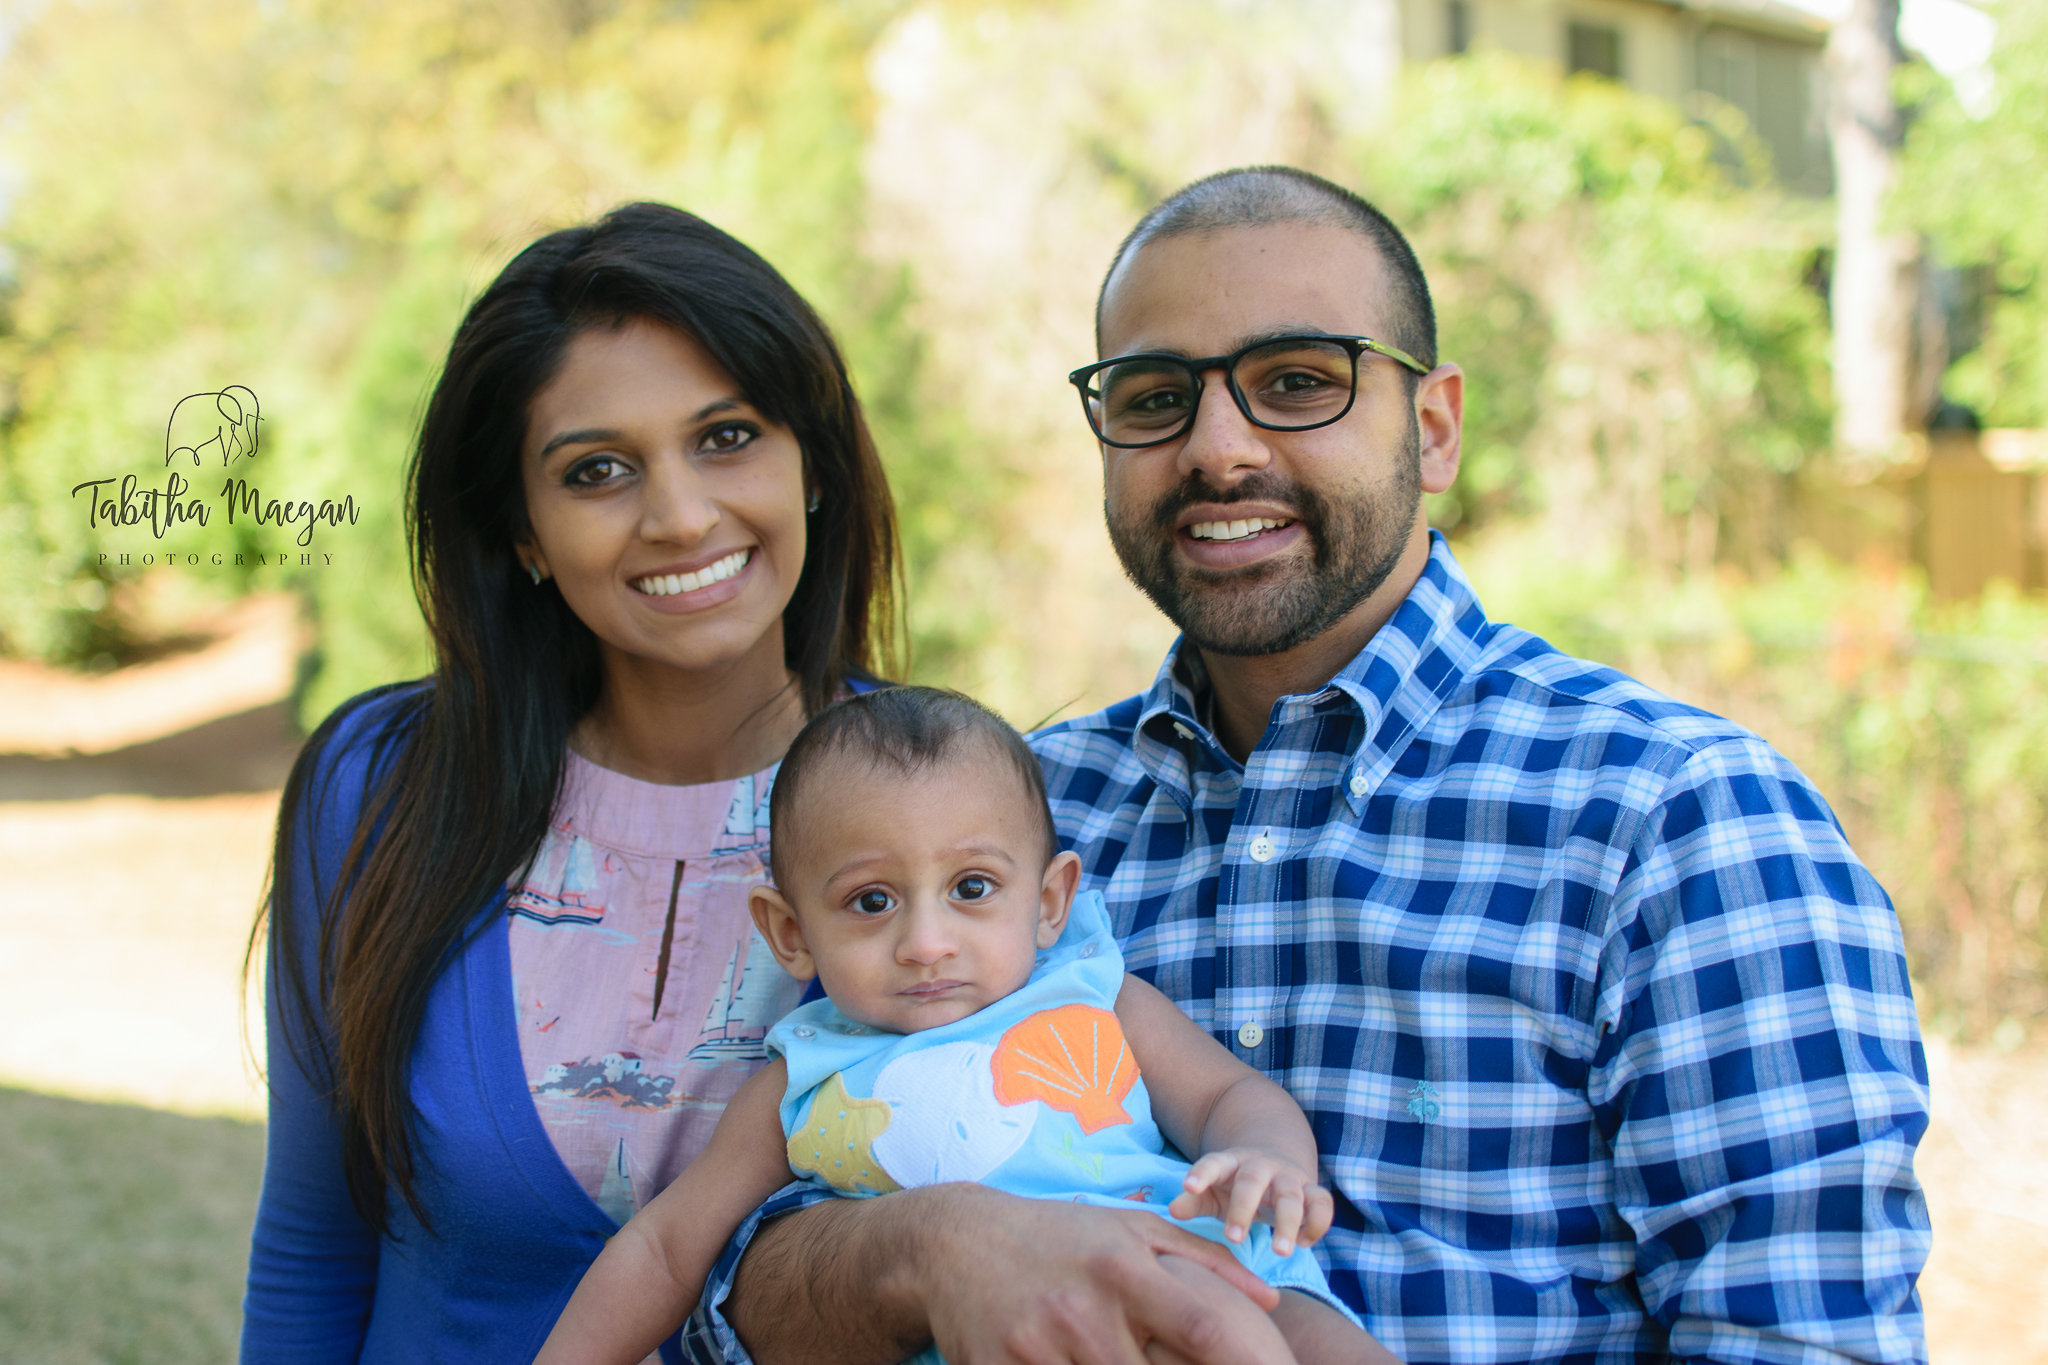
(873, 902)
(971, 888)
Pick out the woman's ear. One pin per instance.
(1056, 897)
(776, 919)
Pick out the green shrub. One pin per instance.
(310, 220)
(1645, 361)
(1972, 181)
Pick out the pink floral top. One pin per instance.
(643, 992)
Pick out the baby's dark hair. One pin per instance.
(908, 729)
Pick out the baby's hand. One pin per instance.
(1239, 1184)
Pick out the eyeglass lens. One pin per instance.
(1292, 382)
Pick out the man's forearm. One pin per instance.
(831, 1284)
(995, 1277)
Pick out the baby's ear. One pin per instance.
(1056, 897)
(776, 919)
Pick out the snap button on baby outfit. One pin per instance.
(804, 1031)
(1251, 1035)
(1088, 949)
(1263, 849)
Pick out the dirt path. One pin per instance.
(121, 939)
(1984, 1163)
(128, 904)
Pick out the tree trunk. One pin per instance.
(1876, 276)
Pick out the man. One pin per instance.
(1604, 1032)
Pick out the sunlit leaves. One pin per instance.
(1626, 293)
(1975, 185)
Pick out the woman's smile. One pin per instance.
(670, 583)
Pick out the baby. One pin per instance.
(979, 1026)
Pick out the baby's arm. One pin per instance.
(650, 1276)
(1252, 1144)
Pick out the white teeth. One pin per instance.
(667, 585)
(1233, 530)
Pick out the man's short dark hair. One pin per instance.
(1255, 196)
(907, 729)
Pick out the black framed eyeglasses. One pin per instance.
(1289, 383)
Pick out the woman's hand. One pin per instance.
(1240, 1184)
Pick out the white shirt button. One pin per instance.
(1183, 731)
(1358, 784)
(1263, 848)
(804, 1031)
(1251, 1035)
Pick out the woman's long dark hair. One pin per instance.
(466, 771)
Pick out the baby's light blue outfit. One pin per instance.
(1036, 1095)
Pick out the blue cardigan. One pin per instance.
(513, 1230)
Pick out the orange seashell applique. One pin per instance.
(1074, 1058)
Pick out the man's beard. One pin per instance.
(1269, 608)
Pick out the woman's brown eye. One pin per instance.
(729, 438)
(602, 469)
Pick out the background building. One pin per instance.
(1759, 57)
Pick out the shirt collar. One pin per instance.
(1433, 641)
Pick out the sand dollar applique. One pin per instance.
(1074, 1059)
(945, 1120)
(836, 1140)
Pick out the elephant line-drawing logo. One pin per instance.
(228, 424)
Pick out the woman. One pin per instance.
(512, 980)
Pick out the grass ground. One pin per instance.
(124, 1232)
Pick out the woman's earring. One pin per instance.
(534, 570)
(812, 505)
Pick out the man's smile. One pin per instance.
(1235, 530)
(1218, 536)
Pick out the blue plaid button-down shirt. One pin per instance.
(1604, 1032)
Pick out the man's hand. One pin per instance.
(993, 1278)
(1037, 1281)
(1240, 1184)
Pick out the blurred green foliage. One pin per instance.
(1973, 182)
(1635, 327)
(300, 198)
(301, 195)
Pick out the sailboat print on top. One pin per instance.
(746, 817)
(567, 864)
(615, 1196)
(749, 1001)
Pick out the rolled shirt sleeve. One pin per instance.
(1760, 1076)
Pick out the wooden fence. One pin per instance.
(1968, 507)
